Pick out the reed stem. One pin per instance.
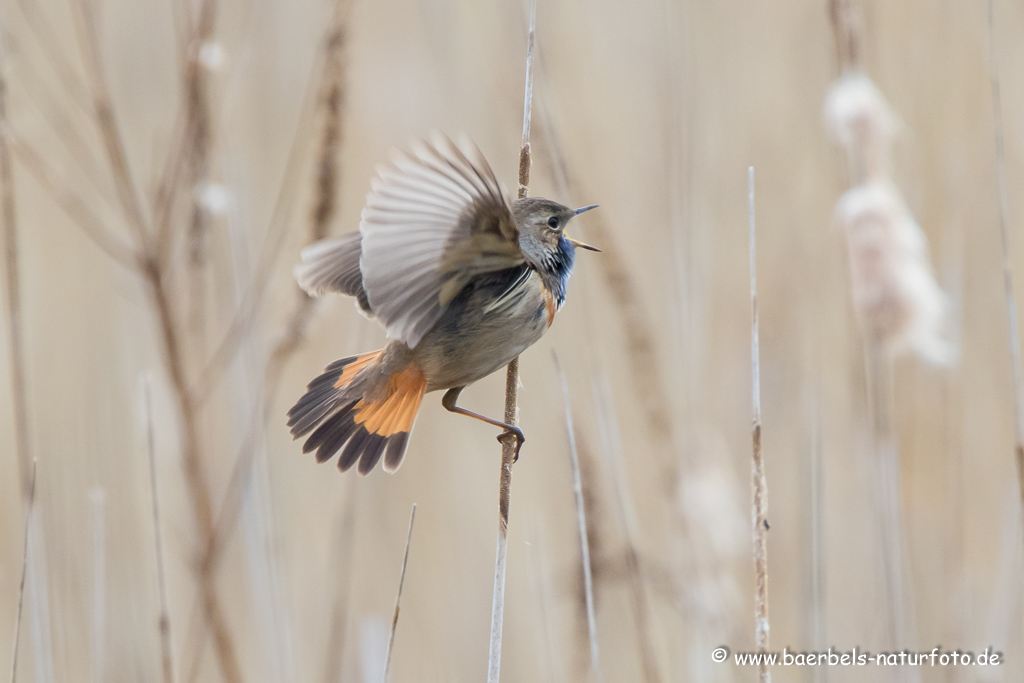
(581, 525)
(508, 444)
(759, 509)
(1013, 328)
(398, 598)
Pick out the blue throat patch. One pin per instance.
(558, 268)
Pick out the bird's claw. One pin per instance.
(520, 439)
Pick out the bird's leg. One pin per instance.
(452, 395)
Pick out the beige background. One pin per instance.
(660, 106)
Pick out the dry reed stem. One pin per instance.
(225, 351)
(154, 275)
(759, 508)
(198, 143)
(508, 444)
(337, 630)
(398, 598)
(540, 579)
(53, 50)
(324, 209)
(106, 122)
(847, 27)
(164, 620)
(74, 205)
(1013, 328)
(98, 639)
(12, 265)
(649, 389)
(325, 201)
(581, 525)
(196, 479)
(29, 504)
(878, 371)
(650, 392)
(622, 501)
(64, 126)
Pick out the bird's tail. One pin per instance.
(360, 407)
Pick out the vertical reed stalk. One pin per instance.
(199, 143)
(848, 29)
(340, 573)
(98, 501)
(759, 509)
(325, 202)
(398, 598)
(847, 24)
(581, 525)
(622, 501)
(29, 505)
(152, 269)
(1013, 328)
(164, 620)
(12, 287)
(881, 406)
(508, 444)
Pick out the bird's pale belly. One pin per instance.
(477, 336)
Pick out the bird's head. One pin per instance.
(543, 241)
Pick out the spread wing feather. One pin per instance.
(332, 265)
(433, 220)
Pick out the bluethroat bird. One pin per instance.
(462, 279)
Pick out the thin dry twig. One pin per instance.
(248, 309)
(325, 207)
(98, 638)
(398, 598)
(46, 36)
(195, 475)
(16, 350)
(73, 205)
(164, 620)
(581, 525)
(340, 574)
(199, 145)
(649, 389)
(508, 444)
(106, 122)
(847, 27)
(325, 201)
(759, 508)
(29, 504)
(1013, 328)
(634, 568)
(153, 272)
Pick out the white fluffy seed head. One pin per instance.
(895, 295)
(212, 56)
(858, 118)
(710, 499)
(214, 198)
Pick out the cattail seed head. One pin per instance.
(858, 118)
(212, 56)
(895, 295)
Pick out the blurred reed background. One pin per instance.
(169, 160)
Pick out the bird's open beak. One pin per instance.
(577, 243)
(581, 245)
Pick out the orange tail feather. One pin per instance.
(364, 425)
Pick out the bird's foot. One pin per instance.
(520, 439)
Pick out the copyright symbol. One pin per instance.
(719, 654)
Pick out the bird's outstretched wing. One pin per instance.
(434, 219)
(332, 265)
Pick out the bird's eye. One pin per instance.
(553, 221)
